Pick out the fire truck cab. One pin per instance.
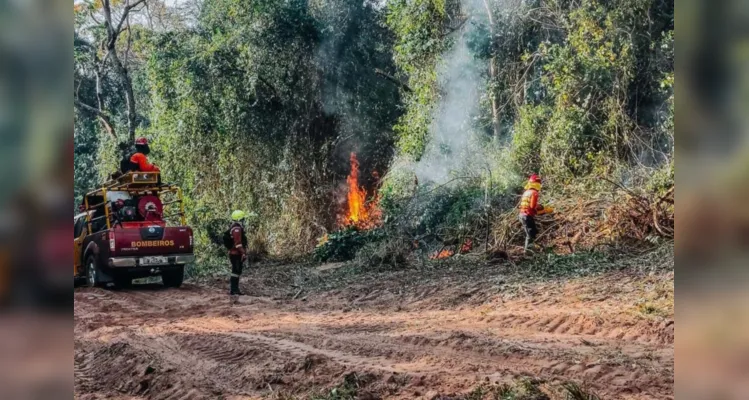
(132, 227)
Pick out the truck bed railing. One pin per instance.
(135, 183)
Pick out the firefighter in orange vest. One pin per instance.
(529, 208)
(139, 160)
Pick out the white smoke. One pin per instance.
(462, 79)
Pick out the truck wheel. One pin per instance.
(92, 271)
(173, 278)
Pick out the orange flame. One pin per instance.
(356, 195)
(442, 254)
(360, 213)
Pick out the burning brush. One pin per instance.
(466, 247)
(361, 214)
(354, 221)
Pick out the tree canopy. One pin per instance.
(257, 105)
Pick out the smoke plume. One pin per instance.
(453, 143)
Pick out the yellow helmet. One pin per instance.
(238, 215)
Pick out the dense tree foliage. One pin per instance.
(258, 104)
(582, 85)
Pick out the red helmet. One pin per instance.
(141, 141)
(534, 178)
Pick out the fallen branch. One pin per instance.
(665, 197)
(657, 225)
(620, 186)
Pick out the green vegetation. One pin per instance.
(345, 391)
(343, 245)
(526, 389)
(355, 387)
(258, 105)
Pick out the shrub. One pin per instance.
(526, 142)
(343, 245)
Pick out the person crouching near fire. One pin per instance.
(530, 208)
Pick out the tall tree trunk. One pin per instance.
(493, 73)
(129, 94)
(493, 97)
(114, 29)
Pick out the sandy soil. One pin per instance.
(443, 336)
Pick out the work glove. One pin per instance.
(546, 210)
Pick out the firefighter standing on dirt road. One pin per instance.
(529, 208)
(238, 250)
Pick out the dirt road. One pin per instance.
(444, 336)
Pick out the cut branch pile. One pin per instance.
(624, 220)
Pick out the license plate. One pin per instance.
(155, 260)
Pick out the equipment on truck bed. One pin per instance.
(132, 227)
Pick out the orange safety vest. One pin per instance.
(141, 161)
(529, 202)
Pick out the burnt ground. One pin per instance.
(415, 334)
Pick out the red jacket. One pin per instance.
(142, 161)
(236, 232)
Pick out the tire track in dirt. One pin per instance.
(194, 343)
(469, 355)
(591, 327)
(547, 323)
(128, 368)
(214, 348)
(83, 367)
(300, 349)
(604, 364)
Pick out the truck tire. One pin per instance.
(92, 271)
(173, 278)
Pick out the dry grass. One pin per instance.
(620, 219)
(577, 392)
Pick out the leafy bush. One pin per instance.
(431, 218)
(570, 145)
(349, 389)
(343, 245)
(526, 141)
(661, 180)
(419, 42)
(433, 210)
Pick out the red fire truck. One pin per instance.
(132, 227)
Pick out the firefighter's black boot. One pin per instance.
(235, 287)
